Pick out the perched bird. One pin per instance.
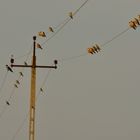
(132, 25)
(38, 46)
(21, 74)
(136, 21)
(51, 29)
(8, 68)
(17, 81)
(16, 85)
(41, 89)
(95, 49)
(7, 103)
(90, 50)
(42, 34)
(71, 15)
(98, 48)
(25, 63)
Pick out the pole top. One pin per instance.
(34, 38)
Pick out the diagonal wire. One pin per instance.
(62, 26)
(3, 111)
(3, 82)
(115, 37)
(27, 115)
(5, 106)
(80, 7)
(72, 57)
(64, 23)
(106, 43)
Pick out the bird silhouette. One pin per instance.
(51, 29)
(21, 74)
(38, 46)
(7, 103)
(132, 25)
(8, 68)
(42, 34)
(71, 15)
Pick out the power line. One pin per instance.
(3, 82)
(64, 23)
(115, 37)
(25, 119)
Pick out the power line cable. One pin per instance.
(115, 37)
(64, 23)
(2, 84)
(104, 44)
(25, 119)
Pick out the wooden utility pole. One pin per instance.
(33, 67)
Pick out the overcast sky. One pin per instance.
(88, 97)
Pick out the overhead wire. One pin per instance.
(8, 100)
(115, 37)
(104, 44)
(27, 115)
(24, 55)
(63, 24)
(3, 82)
(13, 89)
(73, 57)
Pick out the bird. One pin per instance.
(132, 25)
(42, 34)
(21, 74)
(17, 81)
(25, 63)
(16, 85)
(95, 49)
(8, 68)
(90, 50)
(38, 46)
(7, 103)
(136, 21)
(98, 48)
(71, 15)
(51, 29)
(41, 89)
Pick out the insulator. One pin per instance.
(55, 62)
(12, 59)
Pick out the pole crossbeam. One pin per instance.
(33, 88)
(30, 66)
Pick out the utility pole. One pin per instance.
(33, 67)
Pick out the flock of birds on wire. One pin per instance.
(91, 50)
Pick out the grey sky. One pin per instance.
(91, 97)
